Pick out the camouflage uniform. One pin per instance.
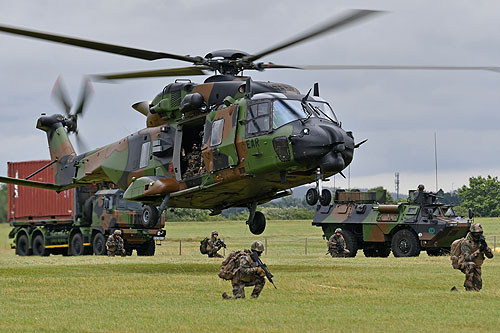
(212, 247)
(115, 245)
(336, 243)
(194, 163)
(473, 259)
(248, 274)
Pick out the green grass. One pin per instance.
(183, 293)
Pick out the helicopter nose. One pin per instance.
(324, 145)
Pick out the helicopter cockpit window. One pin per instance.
(323, 110)
(217, 132)
(258, 118)
(285, 111)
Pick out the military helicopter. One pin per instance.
(227, 142)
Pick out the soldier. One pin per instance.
(336, 245)
(248, 273)
(114, 244)
(213, 245)
(474, 248)
(194, 162)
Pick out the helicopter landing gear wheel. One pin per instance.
(325, 198)
(312, 196)
(256, 220)
(258, 224)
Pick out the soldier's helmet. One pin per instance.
(117, 232)
(338, 230)
(257, 246)
(420, 187)
(476, 227)
(215, 233)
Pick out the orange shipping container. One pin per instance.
(28, 203)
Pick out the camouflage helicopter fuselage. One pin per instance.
(257, 140)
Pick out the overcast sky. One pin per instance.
(398, 112)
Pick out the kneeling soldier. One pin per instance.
(248, 273)
(336, 244)
(114, 244)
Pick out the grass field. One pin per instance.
(172, 292)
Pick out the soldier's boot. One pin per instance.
(454, 289)
(226, 296)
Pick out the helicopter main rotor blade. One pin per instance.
(61, 96)
(329, 26)
(181, 71)
(104, 47)
(86, 91)
(398, 67)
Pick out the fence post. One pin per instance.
(265, 247)
(180, 246)
(494, 243)
(306, 247)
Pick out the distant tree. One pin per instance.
(380, 190)
(482, 195)
(3, 203)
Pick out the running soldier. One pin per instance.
(474, 248)
(214, 245)
(114, 244)
(248, 273)
(336, 245)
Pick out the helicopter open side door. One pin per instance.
(219, 147)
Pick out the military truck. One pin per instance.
(406, 228)
(77, 221)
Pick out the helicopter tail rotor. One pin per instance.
(60, 94)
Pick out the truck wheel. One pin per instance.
(405, 244)
(147, 249)
(87, 210)
(39, 247)
(325, 198)
(76, 245)
(312, 196)
(99, 245)
(22, 246)
(258, 224)
(149, 216)
(350, 242)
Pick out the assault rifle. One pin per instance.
(483, 245)
(255, 257)
(219, 243)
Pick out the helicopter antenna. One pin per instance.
(436, 159)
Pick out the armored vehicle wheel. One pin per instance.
(87, 210)
(149, 216)
(147, 249)
(405, 244)
(39, 247)
(99, 245)
(326, 197)
(76, 247)
(350, 242)
(258, 224)
(312, 196)
(22, 246)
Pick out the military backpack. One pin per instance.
(456, 254)
(203, 245)
(230, 266)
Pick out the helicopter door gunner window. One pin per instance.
(145, 154)
(217, 132)
(258, 118)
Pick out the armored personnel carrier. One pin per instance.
(406, 228)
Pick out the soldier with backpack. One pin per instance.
(212, 245)
(467, 254)
(242, 268)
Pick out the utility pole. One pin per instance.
(436, 159)
(396, 182)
